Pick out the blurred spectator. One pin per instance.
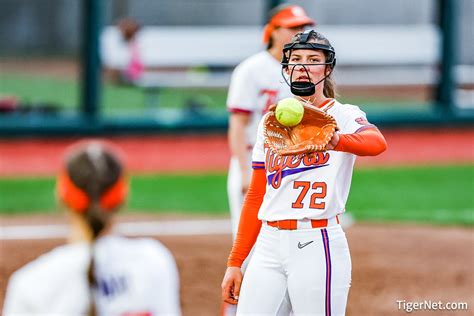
(8, 103)
(126, 45)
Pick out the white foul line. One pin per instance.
(157, 228)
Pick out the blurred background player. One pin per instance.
(96, 273)
(256, 84)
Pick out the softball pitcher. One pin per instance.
(97, 273)
(255, 85)
(292, 206)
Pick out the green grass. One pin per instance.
(35, 89)
(440, 195)
(131, 101)
(428, 194)
(117, 100)
(201, 193)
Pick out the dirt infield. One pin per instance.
(390, 262)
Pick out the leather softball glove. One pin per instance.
(312, 134)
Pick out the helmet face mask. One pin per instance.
(306, 88)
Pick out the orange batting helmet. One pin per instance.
(288, 16)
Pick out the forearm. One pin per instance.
(238, 139)
(249, 225)
(368, 142)
(239, 150)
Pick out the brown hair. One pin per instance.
(329, 89)
(128, 28)
(270, 43)
(94, 168)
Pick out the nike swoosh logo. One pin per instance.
(301, 246)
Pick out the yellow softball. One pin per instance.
(289, 112)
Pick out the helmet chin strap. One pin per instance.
(302, 88)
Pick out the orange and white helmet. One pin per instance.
(287, 16)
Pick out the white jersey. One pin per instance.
(316, 187)
(256, 84)
(134, 276)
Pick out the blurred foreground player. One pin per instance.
(96, 273)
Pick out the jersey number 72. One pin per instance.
(305, 186)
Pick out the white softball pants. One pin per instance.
(234, 193)
(313, 266)
(236, 199)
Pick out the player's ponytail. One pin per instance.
(92, 186)
(97, 223)
(329, 88)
